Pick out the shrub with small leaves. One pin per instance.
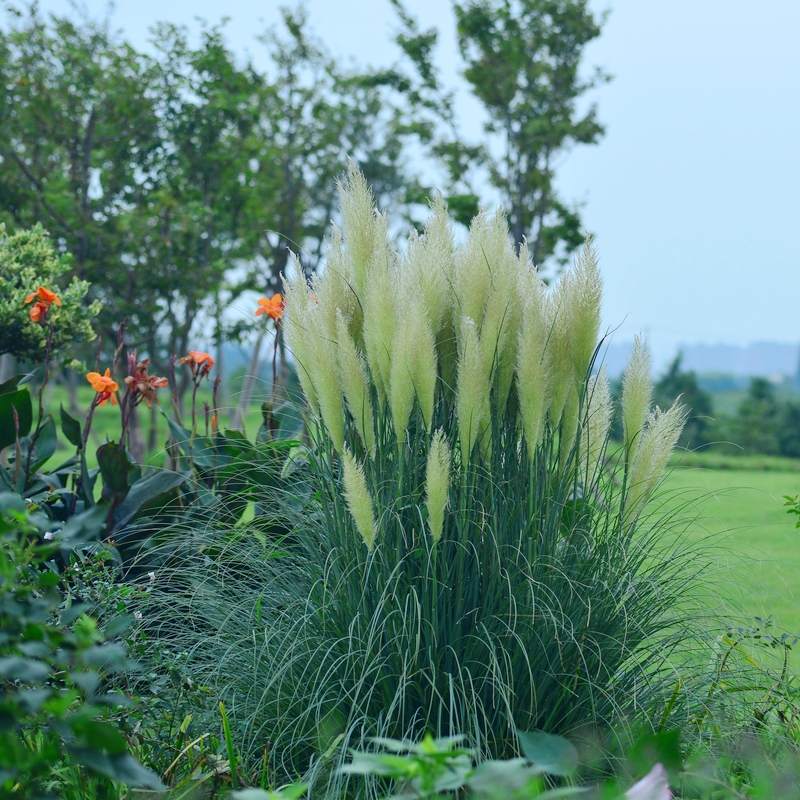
(54, 659)
(28, 261)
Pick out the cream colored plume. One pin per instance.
(559, 349)
(355, 383)
(365, 230)
(437, 483)
(335, 290)
(637, 392)
(585, 296)
(296, 329)
(472, 391)
(501, 317)
(428, 267)
(380, 300)
(533, 369)
(525, 286)
(594, 435)
(413, 368)
(356, 493)
(311, 335)
(486, 250)
(656, 444)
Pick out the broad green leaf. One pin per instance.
(123, 768)
(26, 670)
(551, 754)
(663, 748)
(152, 487)
(71, 428)
(117, 471)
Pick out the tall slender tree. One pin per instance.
(523, 63)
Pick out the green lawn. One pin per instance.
(752, 539)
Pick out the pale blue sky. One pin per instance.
(693, 194)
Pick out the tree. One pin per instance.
(78, 137)
(523, 61)
(678, 382)
(757, 419)
(180, 180)
(789, 430)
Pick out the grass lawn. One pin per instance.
(755, 543)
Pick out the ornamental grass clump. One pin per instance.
(467, 563)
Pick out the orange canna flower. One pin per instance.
(271, 306)
(104, 385)
(200, 362)
(44, 299)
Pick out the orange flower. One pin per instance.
(271, 306)
(199, 361)
(44, 299)
(104, 385)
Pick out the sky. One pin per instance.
(694, 193)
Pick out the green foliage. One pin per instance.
(28, 260)
(793, 506)
(756, 425)
(54, 660)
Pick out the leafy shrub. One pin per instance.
(27, 261)
(54, 659)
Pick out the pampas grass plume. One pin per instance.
(472, 389)
(656, 444)
(358, 499)
(637, 391)
(437, 483)
(355, 384)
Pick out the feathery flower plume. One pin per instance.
(533, 369)
(594, 435)
(358, 499)
(323, 365)
(501, 316)
(296, 329)
(637, 392)
(355, 383)
(437, 483)
(525, 283)
(413, 368)
(656, 444)
(585, 295)
(336, 288)
(559, 349)
(401, 376)
(380, 301)
(428, 266)
(365, 230)
(472, 390)
(473, 268)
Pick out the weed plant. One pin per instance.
(467, 562)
